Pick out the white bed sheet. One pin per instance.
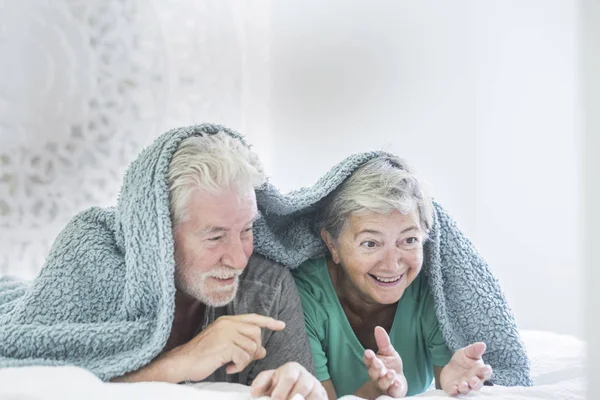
(558, 370)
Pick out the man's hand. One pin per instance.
(385, 367)
(286, 381)
(234, 341)
(466, 370)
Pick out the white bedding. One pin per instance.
(558, 370)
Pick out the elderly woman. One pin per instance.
(368, 308)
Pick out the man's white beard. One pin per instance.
(199, 287)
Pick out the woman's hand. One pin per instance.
(466, 370)
(385, 367)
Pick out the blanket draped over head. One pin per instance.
(104, 298)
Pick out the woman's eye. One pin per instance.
(412, 240)
(368, 244)
(215, 238)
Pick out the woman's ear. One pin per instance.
(330, 243)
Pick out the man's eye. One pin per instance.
(412, 240)
(246, 234)
(215, 238)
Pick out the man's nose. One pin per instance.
(235, 256)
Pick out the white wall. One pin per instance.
(590, 45)
(481, 96)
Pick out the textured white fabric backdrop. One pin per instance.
(85, 84)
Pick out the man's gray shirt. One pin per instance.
(267, 288)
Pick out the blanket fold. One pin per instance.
(104, 298)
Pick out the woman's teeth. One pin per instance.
(387, 280)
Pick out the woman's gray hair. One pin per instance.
(212, 163)
(381, 185)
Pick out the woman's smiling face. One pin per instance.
(381, 254)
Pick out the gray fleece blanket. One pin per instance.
(104, 298)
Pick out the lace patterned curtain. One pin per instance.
(85, 84)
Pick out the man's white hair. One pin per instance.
(213, 163)
(381, 185)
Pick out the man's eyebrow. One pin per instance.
(211, 230)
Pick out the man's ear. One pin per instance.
(331, 245)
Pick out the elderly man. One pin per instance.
(165, 286)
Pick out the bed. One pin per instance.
(558, 370)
